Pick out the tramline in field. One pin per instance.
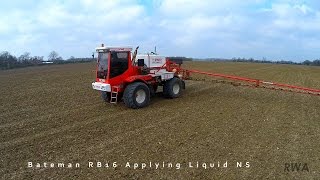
(121, 74)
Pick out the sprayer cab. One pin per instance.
(112, 61)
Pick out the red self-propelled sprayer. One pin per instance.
(134, 78)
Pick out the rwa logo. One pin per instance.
(296, 167)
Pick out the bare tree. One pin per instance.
(7, 61)
(72, 58)
(24, 58)
(53, 56)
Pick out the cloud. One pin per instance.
(274, 29)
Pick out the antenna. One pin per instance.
(155, 51)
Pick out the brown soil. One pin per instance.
(51, 114)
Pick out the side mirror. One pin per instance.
(140, 62)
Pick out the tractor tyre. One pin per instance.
(172, 88)
(105, 96)
(136, 95)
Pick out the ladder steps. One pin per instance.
(114, 94)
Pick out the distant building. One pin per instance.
(47, 62)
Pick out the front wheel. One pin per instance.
(105, 96)
(136, 95)
(172, 88)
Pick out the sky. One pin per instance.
(271, 29)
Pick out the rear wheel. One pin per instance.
(172, 88)
(136, 95)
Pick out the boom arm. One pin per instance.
(186, 74)
(261, 83)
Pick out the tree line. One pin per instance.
(9, 61)
(306, 62)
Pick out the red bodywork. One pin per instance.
(132, 74)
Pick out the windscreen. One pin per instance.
(118, 63)
(102, 70)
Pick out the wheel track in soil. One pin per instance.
(176, 146)
(29, 122)
(30, 105)
(119, 138)
(114, 139)
(75, 125)
(44, 116)
(209, 135)
(54, 131)
(49, 109)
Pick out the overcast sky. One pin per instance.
(275, 29)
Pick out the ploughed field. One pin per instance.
(51, 114)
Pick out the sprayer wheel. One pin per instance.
(136, 95)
